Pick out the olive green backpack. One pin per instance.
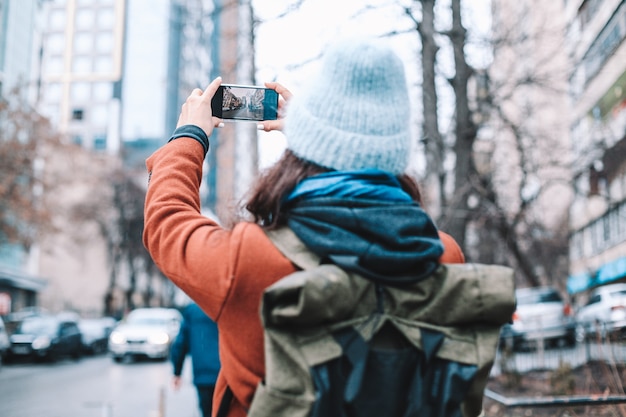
(337, 344)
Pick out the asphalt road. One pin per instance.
(95, 387)
(243, 113)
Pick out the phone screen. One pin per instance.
(240, 102)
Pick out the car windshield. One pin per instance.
(91, 326)
(539, 297)
(37, 326)
(88, 324)
(149, 321)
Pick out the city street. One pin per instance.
(243, 113)
(94, 387)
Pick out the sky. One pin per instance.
(288, 48)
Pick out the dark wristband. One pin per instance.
(194, 132)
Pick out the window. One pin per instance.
(575, 246)
(77, 114)
(622, 219)
(54, 65)
(100, 142)
(103, 64)
(606, 42)
(52, 92)
(85, 19)
(55, 43)
(102, 91)
(597, 237)
(65, 329)
(81, 65)
(106, 18)
(57, 19)
(596, 180)
(99, 115)
(80, 92)
(104, 42)
(603, 233)
(613, 226)
(594, 299)
(83, 42)
(587, 11)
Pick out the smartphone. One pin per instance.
(244, 102)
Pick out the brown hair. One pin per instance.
(277, 181)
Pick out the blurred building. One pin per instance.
(233, 162)
(19, 282)
(526, 143)
(596, 44)
(81, 70)
(112, 75)
(17, 23)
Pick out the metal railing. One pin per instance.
(543, 356)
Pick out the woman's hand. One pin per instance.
(197, 108)
(284, 96)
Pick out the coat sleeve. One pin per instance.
(180, 347)
(452, 253)
(192, 250)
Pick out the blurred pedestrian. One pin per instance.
(197, 338)
(341, 186)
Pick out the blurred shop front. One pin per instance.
(18, 290)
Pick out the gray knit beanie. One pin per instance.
(355, 113)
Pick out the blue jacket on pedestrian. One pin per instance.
(197, 337)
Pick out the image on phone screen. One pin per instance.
(238, 102)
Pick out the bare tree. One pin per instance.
(25, 140)
(493, 196)
(490, 200)
(118, 212)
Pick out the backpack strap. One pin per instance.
(293, 248)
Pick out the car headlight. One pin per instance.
(117, 338)
(42, 342)
(160, 338)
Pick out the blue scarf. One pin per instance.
(364, 222)
(370, 184)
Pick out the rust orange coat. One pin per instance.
(223, 271)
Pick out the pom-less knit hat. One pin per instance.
(355, 113)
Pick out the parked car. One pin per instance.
(45, 337)
(13, 320)
(604, 313)
(146, 332)
(95, 334)
(4, 341)
(26, 312)
(541, 315)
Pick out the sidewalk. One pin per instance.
(181, 403)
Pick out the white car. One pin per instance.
(147, 332)
(541, 315)
(95, 333)
(604, 313)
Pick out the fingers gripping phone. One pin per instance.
(242, 102)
